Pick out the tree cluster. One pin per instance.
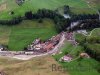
(84, 17)
(13, 21)
(87, 21)
(87, 24)
(60, 22)
(93, 53)
(66, 9)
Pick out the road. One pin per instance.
(27, 57)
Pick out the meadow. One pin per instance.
(10, 5)
(94, 3)
(19, 36)
(95, 46)
(85, 66)
(95, 32)
(36, 66)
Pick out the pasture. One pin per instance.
(96, 32)
(34, 5)
(19, 36)
(95, 46)
(85, 66)
(35, 66)
(94, 3)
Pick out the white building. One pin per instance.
(84, 32)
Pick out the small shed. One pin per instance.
(2, 48)
(66, 58)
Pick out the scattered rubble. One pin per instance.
(66, 58)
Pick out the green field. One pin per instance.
(16, 37)
(96, 32)
(19, 36)
(82, 11)
(85, 66)
(34, 5)
(92, 44)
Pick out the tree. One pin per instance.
(29, 15)
(66, 9)
(40, 20)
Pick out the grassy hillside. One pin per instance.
(4, 34)
(85, 66)
(19, 36)
(96, 32)
(82, 11)
(94, 40)
(34, 5)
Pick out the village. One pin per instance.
(49, 37)
(36, 47)
(44, 46)
(41, 48)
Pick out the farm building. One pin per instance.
(1, 48)
(20, 2)
(66, 58)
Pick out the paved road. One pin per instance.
(27, 57)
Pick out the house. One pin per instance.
(19, 2)
(66, 58)
(84, 32)
(48, 47)
(69, 36)
(66, 16)
(37, 41)
(37, 47)
(2, 48)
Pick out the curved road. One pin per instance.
(27, 57)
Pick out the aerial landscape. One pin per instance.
(49, 37)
